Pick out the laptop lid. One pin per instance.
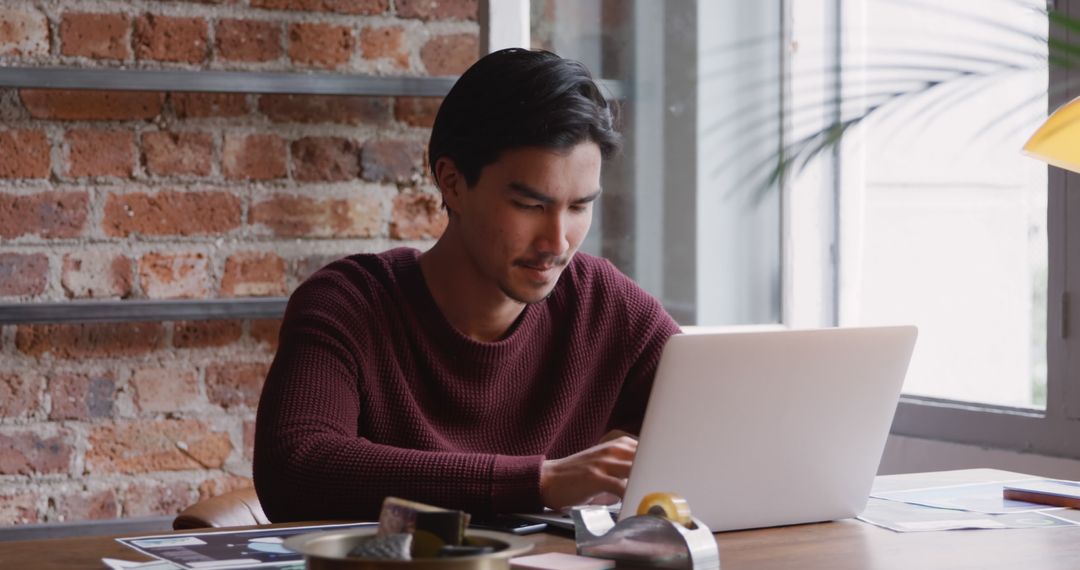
(759, 429)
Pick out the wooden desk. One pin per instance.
(835, 545)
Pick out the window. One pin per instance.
(944, 220)
(925, 214)
(944, 223)
(678, 213)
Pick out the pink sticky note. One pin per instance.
(558, 561)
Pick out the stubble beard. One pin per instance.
(509, 292)
(514, 296)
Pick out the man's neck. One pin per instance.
(472, 304)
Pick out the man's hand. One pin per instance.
(578, 478)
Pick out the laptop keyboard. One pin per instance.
(562, 519)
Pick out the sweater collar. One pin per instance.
(406, 266)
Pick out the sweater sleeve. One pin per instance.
(310, 463)
(652, 326)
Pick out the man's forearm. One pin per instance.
(334, 478)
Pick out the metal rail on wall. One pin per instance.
(113, 311)
(209, 82)
(239, 82)
(224, 81)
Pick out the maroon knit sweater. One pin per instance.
(374, 393)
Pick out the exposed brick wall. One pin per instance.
(173, 195)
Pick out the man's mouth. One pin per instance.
(544, 267)
(541, 264)
(541, 270)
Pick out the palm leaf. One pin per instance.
(932, 84)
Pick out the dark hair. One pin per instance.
(516, 98)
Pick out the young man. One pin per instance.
(483, 373)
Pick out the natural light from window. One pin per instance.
(946, 219)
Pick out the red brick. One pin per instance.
(320, 45)
(89, 340)
(265, 331)
(172, 389)
(306, 217)
(156, 445)
(171, 213)
(221, 485)
(20, 395)
(325, 159)
(23, 32)
(361, 7)
(96, 274)
(543, 24)
(253, 157)
(85, 105)
(24, 154)
(450, 55)
(248, 40)
(253, 274)
(26, 452)
(81, 396)
(437, 9)
(98, 36)
(393, 161)
(385, 43)
(167, 38)
(47, 215)
(615, 16)
(417, 111)
(235, 384)
(417, 215)
(203, 105)
(100, 152)
(175, 154)
(174, 275)
(154, 498)
(348, 110)
(305, 266)
(23, 274)
(249, 440)
(85, 505)
(19, 508)
(204, 334)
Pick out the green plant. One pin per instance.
(935, 82)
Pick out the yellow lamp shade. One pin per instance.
(1057, 141)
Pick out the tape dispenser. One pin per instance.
(662, 534)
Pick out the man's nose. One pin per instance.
(553, 239)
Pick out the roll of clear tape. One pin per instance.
(667, 505)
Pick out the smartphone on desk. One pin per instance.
(507, 523)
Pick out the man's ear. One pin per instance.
(451, 182)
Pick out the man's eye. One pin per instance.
(524, 206)
(579, 208)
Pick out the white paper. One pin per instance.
(114, 564)
(256, 548)
(950, 524)
(906, 517)
(983, 498)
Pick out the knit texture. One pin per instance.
(373, 393)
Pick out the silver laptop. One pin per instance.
(759, 429)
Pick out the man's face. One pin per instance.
(527, 215)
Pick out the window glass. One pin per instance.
(682, 211)
(944, 222)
